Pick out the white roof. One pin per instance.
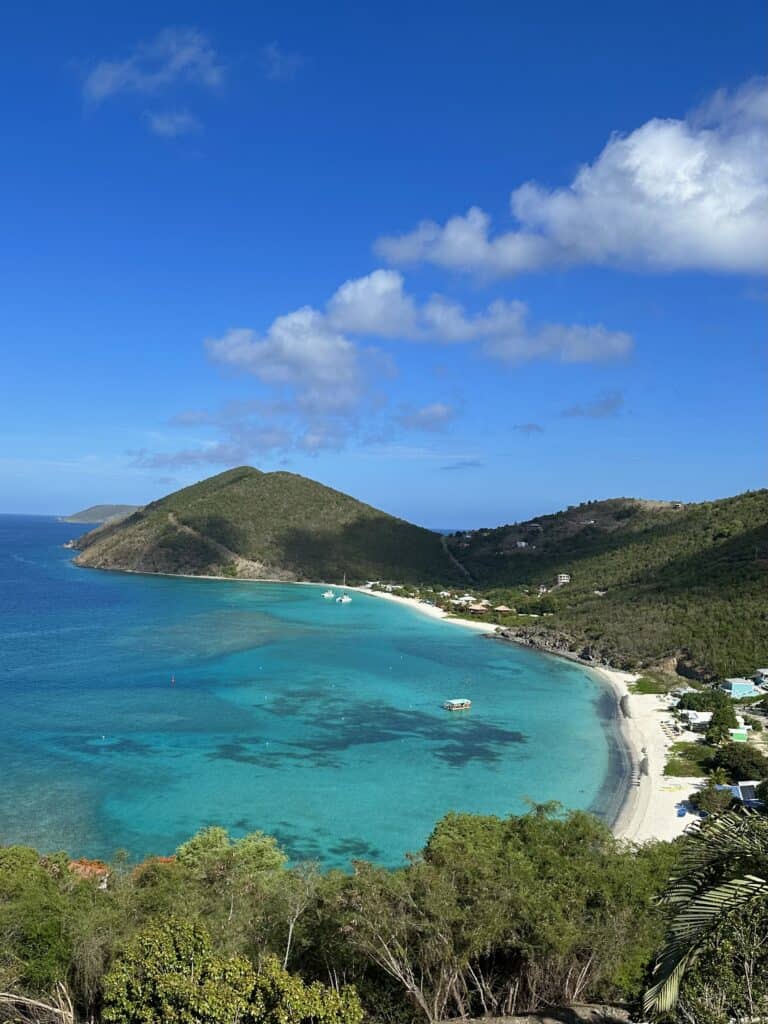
(699, 717)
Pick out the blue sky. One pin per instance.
(468, 262)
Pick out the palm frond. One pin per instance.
(690, 928)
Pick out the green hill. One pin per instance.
(248, 524)
(649, 580)
(99, 514)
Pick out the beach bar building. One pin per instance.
(697, 720)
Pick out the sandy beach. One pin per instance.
(426, 609)
(650, 808)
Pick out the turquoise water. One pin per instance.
(316, 722)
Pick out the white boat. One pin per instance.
(458, 704)
(329, 595)
(344, 599)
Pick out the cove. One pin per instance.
(137, 709)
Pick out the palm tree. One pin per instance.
(723, 869)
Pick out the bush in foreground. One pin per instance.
(169, 974)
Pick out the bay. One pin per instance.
(136, 709)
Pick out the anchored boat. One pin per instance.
(458, 704)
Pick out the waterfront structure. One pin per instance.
(458, 704)
(697, 720)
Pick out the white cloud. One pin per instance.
(672, 195)
(174, 55)
(302, 352)
(378, 305)
(433, 417)
(278, 64)
(321, 377)
(173, 123)
(462, 243)
(375, 304)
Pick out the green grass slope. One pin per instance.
(249, 524)
(688, 582)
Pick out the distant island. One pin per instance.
(100, 514)
(626, 582)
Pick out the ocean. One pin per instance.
(135, 710)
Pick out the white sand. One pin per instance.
(426, 609)
(650, 809)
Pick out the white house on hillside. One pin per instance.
(562, 578)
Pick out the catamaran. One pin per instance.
(329, 595)
(344, 599)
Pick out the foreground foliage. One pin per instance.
(494, 917)
(170, 973)
(714, 966)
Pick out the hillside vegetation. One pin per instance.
(100, 513)
(248, 524)
(650, 581)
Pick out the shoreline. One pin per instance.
(649, 810)
(431, 610)
(648, 807)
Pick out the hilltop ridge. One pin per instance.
(649, 581)
(252, 525)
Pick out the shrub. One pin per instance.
(741, 761)
(169, 974)
(710, 799)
